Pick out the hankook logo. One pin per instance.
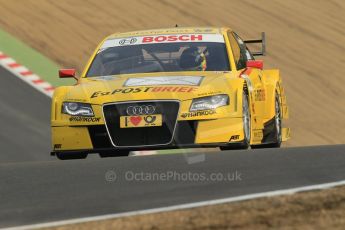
(141, 110)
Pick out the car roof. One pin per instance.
(174, 30)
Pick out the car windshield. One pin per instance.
(126, 58)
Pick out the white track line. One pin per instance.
(25, 74)
(183, 206)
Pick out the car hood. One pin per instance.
(153, 86)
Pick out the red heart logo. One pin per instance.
(135, 120)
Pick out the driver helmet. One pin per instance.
(193, 59)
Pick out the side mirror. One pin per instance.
(255, 64)
(67, 73)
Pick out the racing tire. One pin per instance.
(71, 156)
(277, 129)
(118, 153)
(246, 126)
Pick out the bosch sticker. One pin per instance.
(163, 38)
(172, 38)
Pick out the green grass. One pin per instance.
(32, 59)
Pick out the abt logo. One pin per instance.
(234, 137)
(57, 146)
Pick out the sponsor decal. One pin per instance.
(172, 38)
(198, 113)
(57, 146)
(203, 30)
(156, 32)
(234, 137)
(162, 38)
(164, 80)
(258, 134)
(75, 100)
(84, 119)
(171, 89)
(141, 121)
(135, 120)
(259, 95)
(210, 93)
(150, 119)
(128, 41)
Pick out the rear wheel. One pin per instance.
(246, 125)
(71, 156)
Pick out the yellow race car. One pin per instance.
(169, 88)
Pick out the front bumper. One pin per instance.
(187, 134)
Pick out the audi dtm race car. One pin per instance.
(169, 88)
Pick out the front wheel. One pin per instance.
(246, 125)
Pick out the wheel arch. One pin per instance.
(272, 85)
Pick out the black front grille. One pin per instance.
(158, 135)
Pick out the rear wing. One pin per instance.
(263, 44)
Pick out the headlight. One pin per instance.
(211, 102)
(77, 109)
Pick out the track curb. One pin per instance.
(26, 75)
(31, 58)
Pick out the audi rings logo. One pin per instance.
(141, 110)
(128, 41)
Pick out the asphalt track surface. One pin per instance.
(24, 121)
(35, 188)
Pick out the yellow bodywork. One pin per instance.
(224, 125)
